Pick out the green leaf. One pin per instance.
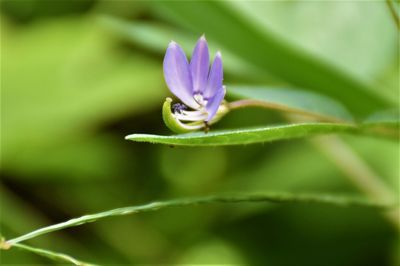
(74, 82)
(246, 136)
(270, 197)
(341, 37)
(54, 256)
(294, 100)
(385, 122)
(387, 117)
(268, 51)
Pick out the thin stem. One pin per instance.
(52, 255)
(259, 197)
(394, 14)
(268, 105)
(358, 172)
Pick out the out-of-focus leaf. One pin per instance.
(273, 54)
(294, 100)
(81, 78)
(384, 122)
(56, 91)
(214, 251)
(97, 157)
(156, 36)
(27, 10)
(246, 136)
(334, 31)
(389, 82)
(387, 117)
(386, 164)
(273, 171)
(19, 216)
(202, 179)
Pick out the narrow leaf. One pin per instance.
(232, 198)
(246, 136)
(55, 256)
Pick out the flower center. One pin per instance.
(182, 113)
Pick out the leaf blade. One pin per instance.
(271, 197)
(246, 136)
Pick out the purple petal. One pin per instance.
(177, 74)
(215, 78)
(199, 65)
(214, 103)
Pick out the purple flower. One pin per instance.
(195, 84)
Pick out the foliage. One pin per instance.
(79, 76)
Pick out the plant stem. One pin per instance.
(259, 197)
(394, 14)
(273, 106)
(52, 255)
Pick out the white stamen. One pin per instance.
(189, 127)
(191, 117)
(198, 112)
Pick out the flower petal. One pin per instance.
(199, 65)
(177, 74)
(215, 77)
(214, 103)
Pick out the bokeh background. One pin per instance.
(78, 76)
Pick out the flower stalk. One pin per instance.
(245, 103)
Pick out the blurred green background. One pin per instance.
(78, 76)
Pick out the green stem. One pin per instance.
(394, 14)
(52, 255)
(260, 197)
(274, 106)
